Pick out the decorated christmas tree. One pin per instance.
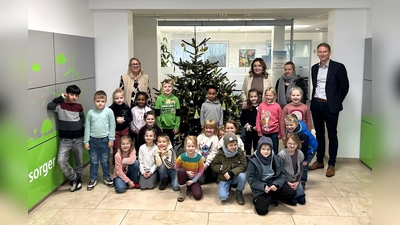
(191, 88)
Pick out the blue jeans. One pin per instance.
(76, 145)
(132, 174)
(300, 190)
(165, 173)
(308, 159)
(99, 151)
(275, 141)
(224, 186)
(322, 115)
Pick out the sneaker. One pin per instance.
(76, 185)
(274, 203)
(136, 185)
(108, 182)
(223, 202)
(91, 185)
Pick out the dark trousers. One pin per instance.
(208, 176)
(322, 115)
(171, 135)
(275, 141)
(251, 141)
(262, 202)
(195, 187)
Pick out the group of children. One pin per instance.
(151, 160)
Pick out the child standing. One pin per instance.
(126, 166)
(190, 167)
(309, 144)
(138, 114)
(99, 138)
(268, 115)
(165, 159)
(248, 121)
(296, 107)
(231, 127)
(70, 128)
(230, 165)
(150, 120)
(168, 110)
(122, 116)
(208, 148)
(148, 167)
(211, 108)
(266, 178)
(292, 160)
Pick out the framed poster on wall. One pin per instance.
(246, 56)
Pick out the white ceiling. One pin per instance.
(305, 20)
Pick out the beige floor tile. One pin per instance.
(211, 203)
(164, 217)
(321, 189)
(81, 216)
(140, 200)
(354, 190)
(363, 175)
(352, 206)
(341, 175)
(77, 199)
(330, 220)
(313, 207)
(351, 166)
(245, 218)
(35, 214)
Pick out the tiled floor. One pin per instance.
(343, 199)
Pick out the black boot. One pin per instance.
(164, 184)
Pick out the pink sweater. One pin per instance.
(301, 111)
(268, 117)
(122, 162)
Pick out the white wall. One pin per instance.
(347, 37)
(113, 48)
(62, 16)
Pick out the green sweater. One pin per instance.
(168, 112)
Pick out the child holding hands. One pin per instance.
(190, 167)
(148, 167)
(126, 166)
(292, 161)
(230, 165)
(266, 178)
(165, 159)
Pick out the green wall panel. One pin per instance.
(366, 143)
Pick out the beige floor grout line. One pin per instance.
(123, 218)
(332, 205)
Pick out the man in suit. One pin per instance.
(330, 87)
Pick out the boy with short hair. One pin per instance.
(230, 164)
(99, 138)
(211, 109)
(70, 129)
(308, 142)
(168, 110)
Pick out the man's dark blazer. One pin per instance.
(337, 84)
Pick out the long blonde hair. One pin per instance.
(124, 138)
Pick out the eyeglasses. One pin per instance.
(135, 64)
(292, 143)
